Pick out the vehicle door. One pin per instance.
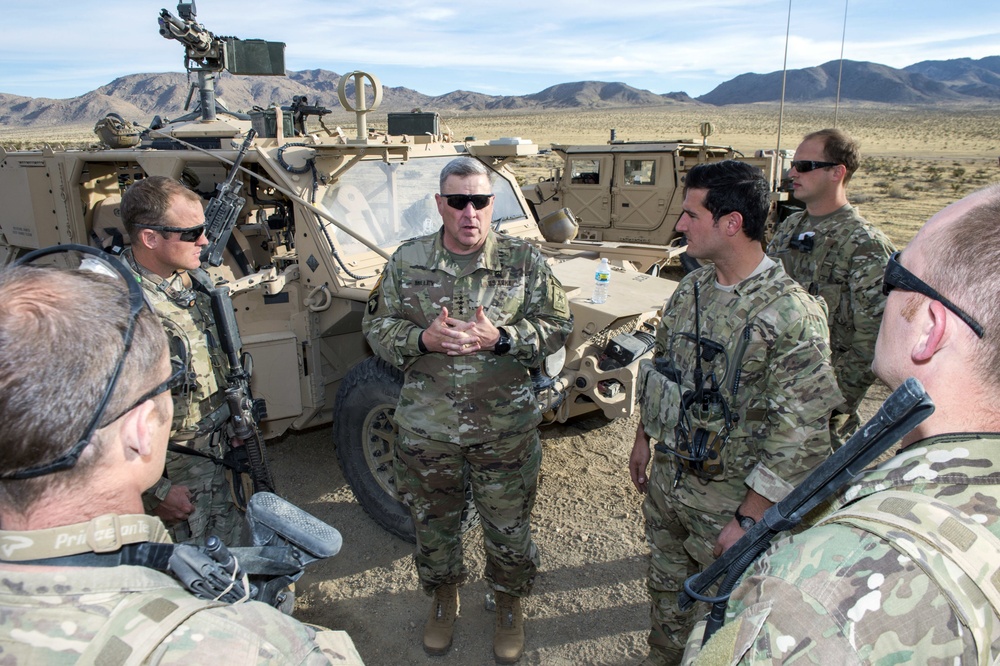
(587, 188)
(643, 189)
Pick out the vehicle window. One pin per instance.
(585, 172)
(640, 172)
(388, 203)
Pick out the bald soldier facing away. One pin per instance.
(82, 435)
(906, 570)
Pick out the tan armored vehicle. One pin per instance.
(321, 213)
(629, 193)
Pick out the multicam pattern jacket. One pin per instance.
(481, 397)
(773, 369)
(58, 614)
(838, 594)
(843, 260)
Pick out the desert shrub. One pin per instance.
(898, 192)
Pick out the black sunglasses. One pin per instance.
(805, 166)
(897, 277)
(187, 234)
(460, 201)
(178, 373)
(136, 304)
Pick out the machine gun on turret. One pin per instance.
(206, 54)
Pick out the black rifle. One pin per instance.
(301, 110)
(285, 539)
(224, 208)
(245, 412)
(899, 414)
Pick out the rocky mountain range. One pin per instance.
(141, 96)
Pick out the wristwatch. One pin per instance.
(746, 522)
(503, 343)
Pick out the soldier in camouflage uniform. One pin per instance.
(194, 497)
(71, 478)
(898, 573)
(835, 253)
(739, 423)
(465, 312)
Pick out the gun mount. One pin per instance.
(205, 54)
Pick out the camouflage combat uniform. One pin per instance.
(65, 614)
(469, 418)
(200, 411)
(774, 372)
(838, 594)
(843, 261)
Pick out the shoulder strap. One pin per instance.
(138, 625)
(769, 295)
(938, 538)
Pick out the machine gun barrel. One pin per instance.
(192, 35)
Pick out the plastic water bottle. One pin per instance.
(601, 279)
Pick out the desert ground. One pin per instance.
(589, 604)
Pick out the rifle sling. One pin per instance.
(188, 451)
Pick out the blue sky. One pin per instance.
(507, 47)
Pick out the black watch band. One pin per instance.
(746, 522)
(503, 343)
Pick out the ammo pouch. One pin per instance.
(660, 401)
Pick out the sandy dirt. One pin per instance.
(589, 605)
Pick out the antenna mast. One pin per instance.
(784, 74)
(840, 74)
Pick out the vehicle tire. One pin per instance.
(365, 432)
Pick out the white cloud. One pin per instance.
(506, 48)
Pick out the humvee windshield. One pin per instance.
(388, 203)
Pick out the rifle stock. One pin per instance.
(901, 412)
(224, 209)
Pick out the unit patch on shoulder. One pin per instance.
(373, 297)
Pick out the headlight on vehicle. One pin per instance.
(554, 363)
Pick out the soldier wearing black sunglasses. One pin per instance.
(82, 434)
(166, 223)
(464, 313)
(836, 254)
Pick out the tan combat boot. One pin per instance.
(508, 637)
(441, 622)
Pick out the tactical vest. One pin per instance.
(186, 313)
(732, 326)
(823, 254)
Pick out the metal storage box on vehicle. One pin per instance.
(416, 123)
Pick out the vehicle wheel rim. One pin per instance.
(380, 433)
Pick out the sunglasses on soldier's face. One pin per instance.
(897, 277)
(187, 234)
(805, 166)
(460, 201)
